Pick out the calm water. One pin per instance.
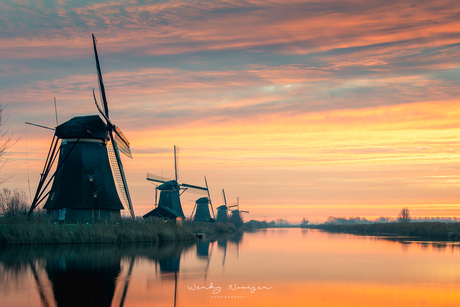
(274, 267)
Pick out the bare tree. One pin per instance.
(404, 215)
(6, 140)
(13, 203)
(281, 221)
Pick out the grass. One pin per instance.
(124, 232)
(425, 230)
(21, 231)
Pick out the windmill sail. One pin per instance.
(194, 189)
(99, 108)
(209, 197)
(118, 177)
(122, 142)
(156, 178)
(100, 81)
(119, 142)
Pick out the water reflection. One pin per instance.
(84, 275)
(329, 268)
(99, 275)
(83, 278)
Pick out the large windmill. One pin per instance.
(89, 164)
(169, 205)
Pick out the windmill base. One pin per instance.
(68, 215)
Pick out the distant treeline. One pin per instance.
(253, 224)
(424, 230)
(362, 220)
(279, 223)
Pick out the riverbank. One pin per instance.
(422, 230)
(127, 231)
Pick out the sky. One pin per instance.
(298, 108)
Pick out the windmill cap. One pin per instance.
(90, 126)
(202, 200)
(169, 185)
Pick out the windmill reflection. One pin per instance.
(168, 257)
(74, 275)
(83, 279)
(86, 275)
(203, 253)
(100, 275)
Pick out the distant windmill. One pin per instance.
(236, 217)
(222, 211)
(202, 213)
(89, 163)
(201, 208)
(169, 204)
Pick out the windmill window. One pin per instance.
(95, 194)
(90, 178)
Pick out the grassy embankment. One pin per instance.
(423, 230)
(127, 231)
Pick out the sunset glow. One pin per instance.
(299, 108)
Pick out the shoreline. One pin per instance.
(125, 232)
(134, 231)
(414, 230)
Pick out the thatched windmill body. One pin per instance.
(201, 211)
(88, 169)
(222, 211)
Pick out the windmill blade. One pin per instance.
(175, 163)
(55, 111)
(156, 178)
(194, 189)
(244, 211)
(193, 211)
(225, 199)
(100, 81)
(52, 154)
(120, 178)
(99, 107)
(209, 198)
(122, 142)
(40, 126)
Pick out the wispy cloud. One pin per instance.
(356, 97)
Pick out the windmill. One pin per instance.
(89, 164)
(202, 213)
(236, 217)
(169, 205)
(222, 211)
